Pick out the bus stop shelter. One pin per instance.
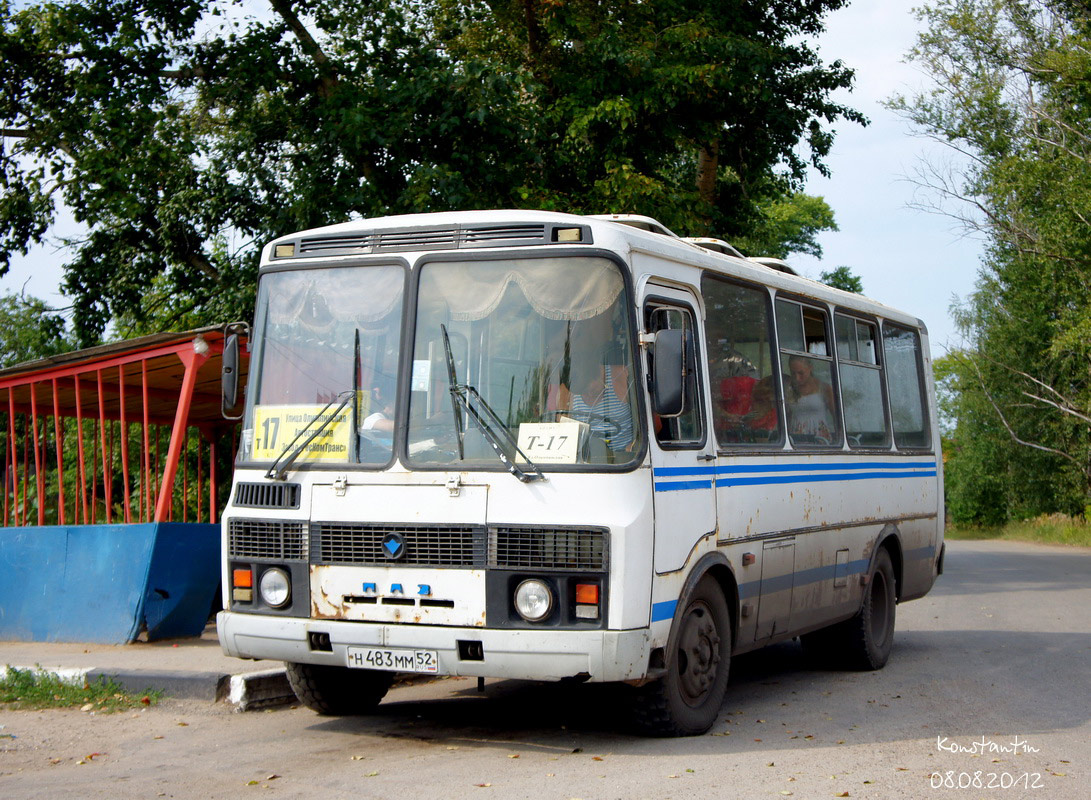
(116, 460)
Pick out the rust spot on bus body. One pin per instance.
(322, 607)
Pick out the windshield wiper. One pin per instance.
(277, 470)
(498, 437)
(452, 382)
(356, 391)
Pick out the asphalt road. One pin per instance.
(986, 695)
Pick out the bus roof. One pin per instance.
(498, 229)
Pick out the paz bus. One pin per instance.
(519, 444)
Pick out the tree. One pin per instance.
(29, 330)
(183, 134)
(1012, 81)
(842, 278)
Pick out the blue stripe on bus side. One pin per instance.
(847, 476)
(664, 610)
(752, 589)
(797, 467)
(677, 486)
(727, 480)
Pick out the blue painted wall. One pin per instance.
(103, 583)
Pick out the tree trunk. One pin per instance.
(708, 160)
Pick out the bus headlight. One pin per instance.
(533, 600)
(275, 587)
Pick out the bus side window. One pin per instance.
(807, 363)
(861, 382)
(741, 364)
(686, 429)
(905, 378)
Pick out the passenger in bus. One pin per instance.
(763, 418)
(746, 411)
(810, 404)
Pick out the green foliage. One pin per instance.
(1046, 529)
(1013, 78)
(34, 689)
(842, 278)
(29, 330)
(785, 224)
(183, 134)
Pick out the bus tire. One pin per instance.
(338, 691)
(687, 699)
(869, 636)
(864, 641)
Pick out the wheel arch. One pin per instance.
(716, 566)
(889, 539)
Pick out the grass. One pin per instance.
(1046, 529)
(26, 689)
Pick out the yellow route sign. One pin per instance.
(276, 426)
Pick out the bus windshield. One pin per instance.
(539, 347)
(324, 334)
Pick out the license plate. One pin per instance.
(393, 660)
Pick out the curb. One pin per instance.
(248, 691)
(252, 691)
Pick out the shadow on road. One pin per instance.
(958, 683)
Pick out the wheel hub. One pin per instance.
(698, 654)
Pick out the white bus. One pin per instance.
(532, 445)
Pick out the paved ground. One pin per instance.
(987, 689)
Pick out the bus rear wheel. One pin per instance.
(687, 700)
(338, 691)
(870, 634)
(863, 642)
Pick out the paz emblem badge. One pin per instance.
(393, 546)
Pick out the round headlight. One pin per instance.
(275, 587)
(533, 600)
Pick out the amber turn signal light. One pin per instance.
(587, 593)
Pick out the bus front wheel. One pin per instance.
(687, 699)
(338, 691)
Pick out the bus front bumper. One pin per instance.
(547, 655)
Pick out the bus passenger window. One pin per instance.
(807, 365)
(904, 373)
(741, 364)
(861, 383)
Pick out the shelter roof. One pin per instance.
(127, 372)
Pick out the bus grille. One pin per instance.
(571, 549)
(267, 495)
(501, 547)
(425, 545)
(264, 539)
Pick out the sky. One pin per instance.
(916, 261)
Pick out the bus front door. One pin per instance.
(683, 457)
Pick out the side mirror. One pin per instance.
(229, 369)
(668, 372)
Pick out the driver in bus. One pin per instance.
(382, 419)
(599, 397)
(597, 391)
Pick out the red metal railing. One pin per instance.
(109, 417)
